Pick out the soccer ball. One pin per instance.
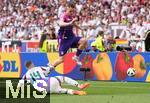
(131, 72)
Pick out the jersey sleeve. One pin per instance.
(47, 70)
(22, 81)
(63, 17)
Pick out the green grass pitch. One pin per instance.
(98, 92)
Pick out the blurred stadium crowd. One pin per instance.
(28, 19)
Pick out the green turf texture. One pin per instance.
(109, 92)
(98, 92)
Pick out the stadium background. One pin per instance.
(12, 65)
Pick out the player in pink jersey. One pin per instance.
(66, 37)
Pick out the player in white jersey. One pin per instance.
(53, 84)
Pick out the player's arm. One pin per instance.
(48, 69)
(77, 26)
(62, 23)
(21, 82)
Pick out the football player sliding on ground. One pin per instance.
(53, 84)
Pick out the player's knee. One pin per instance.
(61, 59)
(84, 41)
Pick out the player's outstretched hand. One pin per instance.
(81, 93)
(74, 19)
(83, 86)
(44, 91)
(51, 67)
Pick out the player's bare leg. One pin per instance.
(58, 61)
(70, 91)
(82, 46)
(72, 82)
(55, 86)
